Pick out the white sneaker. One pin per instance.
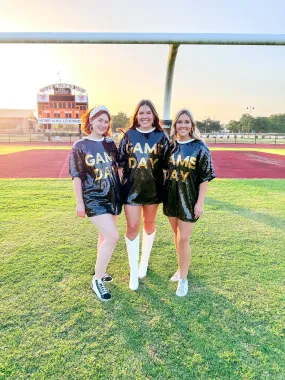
(99, 288)
(182, 287)
(175, 277)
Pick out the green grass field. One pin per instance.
(230, 326)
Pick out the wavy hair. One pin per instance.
(194, 134)
(145, 102)
(86, 122)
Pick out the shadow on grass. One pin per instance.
(259, 217)
(201, 334)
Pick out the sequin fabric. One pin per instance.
(142, 157)
(189, 165)
(95, 163)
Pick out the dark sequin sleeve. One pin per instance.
(205, 167)
(165, 153)
(122, 156)
(76, 163)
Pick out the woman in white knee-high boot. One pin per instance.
(142, 153)
(93, 167)
(190, 169)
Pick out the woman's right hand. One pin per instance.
(80, 210)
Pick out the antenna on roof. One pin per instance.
(59, 79)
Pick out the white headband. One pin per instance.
(97, 109)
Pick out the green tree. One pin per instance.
(120, 121)
(209, 125)
(234, 126)
(277, 123)
(246, 123)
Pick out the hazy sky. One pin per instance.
(214, 81)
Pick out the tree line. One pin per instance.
(250, 124)
(246, 124)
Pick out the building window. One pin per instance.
(48, 115)
(54, 105)
(57, 115)
(51, 105)
(77, 115)
(68, 115)
(69, 105)
(64, 105)
(73, 105)
(59, 105)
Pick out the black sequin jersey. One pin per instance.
(189, 164)
(95, 163)
(142, 157)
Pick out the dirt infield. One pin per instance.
(46, 162)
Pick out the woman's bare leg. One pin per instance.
(106, 225)
(184, 231)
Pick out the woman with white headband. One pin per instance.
(93, 167)
(142, 155)
(190, 168)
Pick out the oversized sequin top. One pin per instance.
(95, 163)
(189, 164)
(142, 156)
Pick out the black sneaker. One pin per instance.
(100, 290)
(107, 277)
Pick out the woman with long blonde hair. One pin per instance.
(190, 168)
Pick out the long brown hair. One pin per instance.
(134, 120)
(86, 125)
(194, 134)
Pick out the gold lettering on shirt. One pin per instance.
(192, 164)
(132, 162)
(89, 160)
(107, 173)
(184, 162)
(98, 174)
(148, 149)
(153, 162)
(174, 175)
(184, 175)
(138, 148)
(129, 148)
(107, 157)
(99, 158)
(142, 163)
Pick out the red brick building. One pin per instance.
(61, 103)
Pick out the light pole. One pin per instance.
(250, 108)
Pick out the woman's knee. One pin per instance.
(133, 227)
(183, 238)
(112, 238)
(149, 225)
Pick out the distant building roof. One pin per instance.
(21, 114)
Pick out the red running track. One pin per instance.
(42, 163)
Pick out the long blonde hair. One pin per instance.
(194, 134)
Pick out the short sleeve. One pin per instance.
(122, 156)
(76, 163)
(206, 170)
(165, 152)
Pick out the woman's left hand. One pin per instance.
(198, 210)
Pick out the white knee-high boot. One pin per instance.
(133, 247)
(147, 243)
